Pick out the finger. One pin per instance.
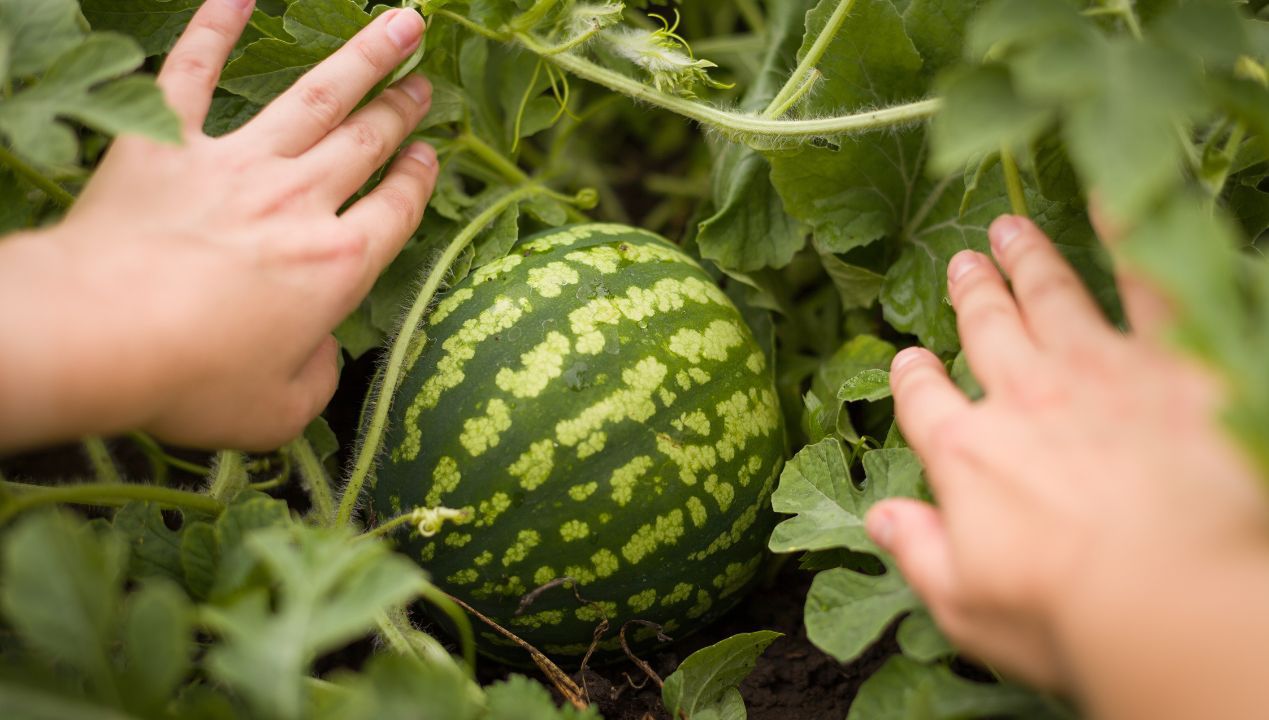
(313, 386)
(319, 101)
(925, 399)
(1148, 310)
(341, 163)
(191, 71)
(389, 214)
(996, 342)
(1057, 310)
(913, 532)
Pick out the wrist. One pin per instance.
(64, 367)
(1172, 634)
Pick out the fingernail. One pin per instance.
(416, 87)
(405, 28)
(880, 527)
(239, 4)
(964, 262)
(904, 358)
(422, 152)
(1004, 231)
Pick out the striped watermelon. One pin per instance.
(600, 410)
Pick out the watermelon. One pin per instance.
(600, 415)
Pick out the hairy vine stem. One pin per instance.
(315, 480)
(25, 171)
(368, 451)
(25, 497)
(730, 123)
(230, 476)
(99, 457)
(796, 85)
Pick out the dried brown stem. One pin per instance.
(562, 682)
(640, 663)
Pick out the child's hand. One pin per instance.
(1091, 500)
(225, 263)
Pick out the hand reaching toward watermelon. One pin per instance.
(1097, 531)
(199, 284)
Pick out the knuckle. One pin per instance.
(193, 67)
(322, 103)
(368, 139)
(1049, 285)
(370, 55)
(951, 437)
(399, 203)
(400, 104)
(223, 30)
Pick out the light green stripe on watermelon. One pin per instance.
(607, 428)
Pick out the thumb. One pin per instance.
(912, 531)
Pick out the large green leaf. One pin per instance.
(86, 84)
(904, 689)
(847, 611)
(34, 34)
(816, 486)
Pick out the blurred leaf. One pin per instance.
(907, 690)
(319, 591)
(394, 687)
(706, 680)
(158, 633)
(60, 592)
(921, 640)
(85, 84)
(34, 34)
(518, 698)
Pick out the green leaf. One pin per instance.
(271, 65)
(20, 700)
(82, 85)
(495, 243)
(314, 591)
(858, 287)
(982, 113)
(847, 611)
(816, 486)
(904, 689)
(158, 643)
(518, 698)
(706, 680)
(155, 549)
(394, 687)
(870, 385)
(751, 230)
(60, 592)
(34, 34)
(921, 639)
(200, 556)
(871, 59)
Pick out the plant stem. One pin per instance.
(1013, 182)
(368, 451)
(26, 497)
(315, 480)
(808, 62)
(800, 93)
(99, 457)
(494, 159)
(734, 124)
(33, 176)
(153, 449)
(230, 476)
